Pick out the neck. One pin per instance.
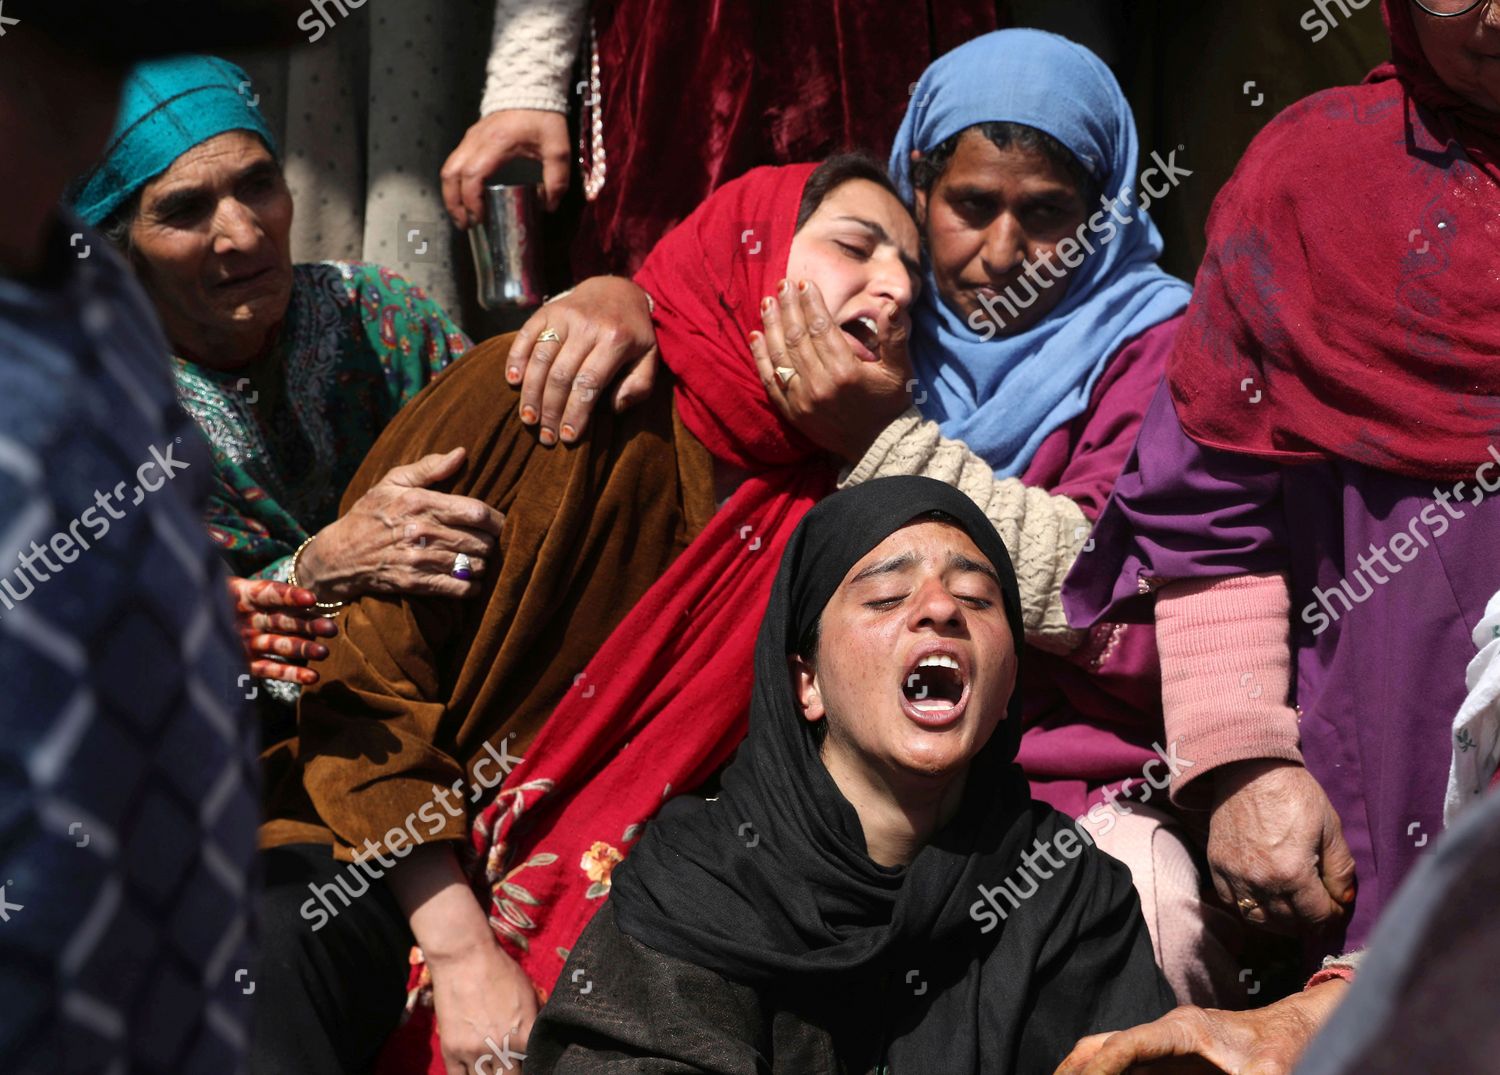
(899, 812)
(226, 352)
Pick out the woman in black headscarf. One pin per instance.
(873, 890)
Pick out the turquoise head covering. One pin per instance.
(1002, 395)
(168, 107)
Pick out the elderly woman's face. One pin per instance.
(991, 213)
(916, 662)
(1465, 52)
(860, 248)
(212, 244)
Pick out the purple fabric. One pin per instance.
(1092, 717)
(1379, 685)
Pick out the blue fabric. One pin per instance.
(129, 788)
(1002, 395)
(168, 107)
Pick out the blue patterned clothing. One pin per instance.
(128, 795)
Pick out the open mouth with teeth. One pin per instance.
(935, 689)
(865, 332)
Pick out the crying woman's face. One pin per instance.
(915, 663)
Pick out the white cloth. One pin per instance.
(533, 54)
(1476, 728)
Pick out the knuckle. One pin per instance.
(560, 378)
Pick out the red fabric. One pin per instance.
(696, 92)
(664, 703)
(1345, 308)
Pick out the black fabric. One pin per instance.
(326, 999)
(770, 885)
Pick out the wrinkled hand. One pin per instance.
(604, 325)
(1267, 1041)
(1274, 837)
(401, 538)
(499, 137)
(838, 400)
(279, 628)
(485, 1007)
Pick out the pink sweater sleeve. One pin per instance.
(1226, 668)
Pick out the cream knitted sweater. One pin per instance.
(535, 46)
(1043, 533)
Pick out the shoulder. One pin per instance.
(1135, 370)
(1335, 132)
(363, 280)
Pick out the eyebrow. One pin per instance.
(956, 561)
(183, 197)
(880, 235)
(1050, 192)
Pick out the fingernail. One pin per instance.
(319, 652)
(513, 374)
(548, 437)
(528, 415)
(766, 304)
(568, 432)
(802, 286)
(786, 287)
(755, 337)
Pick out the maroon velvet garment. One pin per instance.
(697, 92)
(1092, 717)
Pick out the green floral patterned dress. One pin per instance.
(289, 431)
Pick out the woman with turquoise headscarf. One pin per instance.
(290, 371)
(1035, 347)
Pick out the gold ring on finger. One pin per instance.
(784, 374)
(547, 335)
(1246, 904)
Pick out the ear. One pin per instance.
(805, 687)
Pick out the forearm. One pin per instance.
(1226, 668)
(535, 44)
(1043, 533)
(445, 918)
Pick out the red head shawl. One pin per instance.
(1347, 304)
(664, 702)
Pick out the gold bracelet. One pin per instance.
(291, 577)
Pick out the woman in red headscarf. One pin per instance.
(621, 612)
(1308, 503)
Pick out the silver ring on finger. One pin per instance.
(463, 567)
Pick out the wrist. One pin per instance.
(310, 571)
(1235, 776)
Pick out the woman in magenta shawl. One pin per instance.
(1309, 497)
